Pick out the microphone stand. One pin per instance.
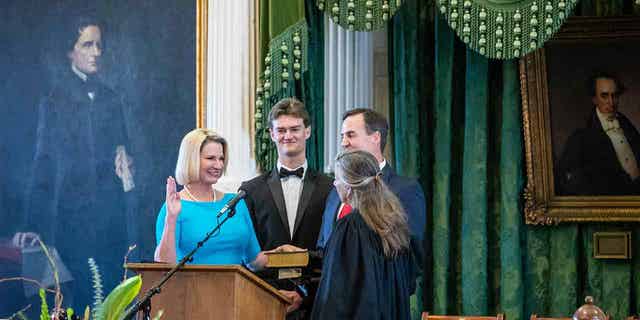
(144, 304)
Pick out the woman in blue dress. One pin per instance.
(187, 215)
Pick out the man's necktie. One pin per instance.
(346, 209)
(286, 173)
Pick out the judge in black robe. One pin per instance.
(358, 281)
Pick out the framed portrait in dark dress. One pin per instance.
(95, 97)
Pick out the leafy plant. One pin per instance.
(87, 313)
(110, 308)
(56, 278)
(44, 307)
(116, 302)
(97, 286)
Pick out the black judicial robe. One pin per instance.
(358, 281)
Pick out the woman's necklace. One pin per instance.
(196, 199)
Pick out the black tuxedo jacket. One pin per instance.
(266, 205)
(265, 201)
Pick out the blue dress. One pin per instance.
(234, 243)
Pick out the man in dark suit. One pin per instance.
(365, 129)
(602, 158)
(286, 203)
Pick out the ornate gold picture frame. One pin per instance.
(557, 103)
(202, 35)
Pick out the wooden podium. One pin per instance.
(206, 292)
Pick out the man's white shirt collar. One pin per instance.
(609, 121)
(83, 77)
(79, 73)
(382, 164)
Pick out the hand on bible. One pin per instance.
(287, 248)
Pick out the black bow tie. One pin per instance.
(285, 173)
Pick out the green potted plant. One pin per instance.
(110, 308)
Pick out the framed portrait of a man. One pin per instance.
(581, 113)
(95, 97)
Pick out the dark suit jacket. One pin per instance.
(266, 205)
(411, 196)
(589, 165)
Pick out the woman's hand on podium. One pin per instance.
(295, 300)
(259, 262)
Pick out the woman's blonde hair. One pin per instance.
(188, 164)
(378, 206)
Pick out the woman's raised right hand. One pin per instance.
(172, 200)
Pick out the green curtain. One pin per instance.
(511, 166)
(275, 17)
(470, 157)
(410, 29)
(280, 19)
(602, 7)
(314, 84)
(407, 27)
(442, 234)
(474, 187)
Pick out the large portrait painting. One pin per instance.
(581, 112)
(95, 97)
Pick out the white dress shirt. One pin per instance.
(83, 76)
(292, 191)
(624, 153)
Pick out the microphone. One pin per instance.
(232, 203)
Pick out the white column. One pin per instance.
(228, 86)
(348, 81)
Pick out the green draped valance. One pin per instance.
(505, 29)
(284, 66)
(359, 15)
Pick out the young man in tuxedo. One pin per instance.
(286, 203)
